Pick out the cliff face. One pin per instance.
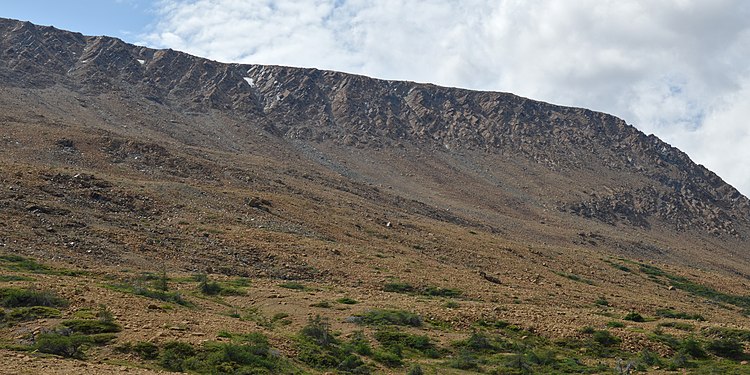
(648, 182)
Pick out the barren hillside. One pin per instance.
(487, 216)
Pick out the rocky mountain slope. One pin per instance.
(116, 156)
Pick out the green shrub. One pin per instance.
(415, 370)
(209, 288)
(13, 297)
(318, 331)
(668, 313)
(605, 338)
(246, 354)
(542, 357)
(726, 347)
(615, 324)
(388, 358)
(738, 334)
(441, 292)
(292, 285)
(452, 305)
(634, 317)
(601, 301)
(347, 301)
(22, 314)
(352, 364)
(143, 349)
(479, 342)
(392, 339)
(465, 360)
(678, 325)
(694, 348)
(669, 340)
(174, 355)
(359, 344)
(391, 317)
(6, 278)
(495, 324)
(89, 327)
(320, 349)
(398, 287)
(651, 270)
(648, 358)
(65, 345)
(173, 297)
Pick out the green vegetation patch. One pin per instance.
(6, 278)
(669, 313)
(678, 325)
(91, 326)
(575, 277)
(738, 334)
(245, 354)
(396, 341)
(432, 291)
(391, 317)
(23, 314)
(319, 348)
(142, 290)
(634, 317)
(696, 289)
(15, 297)
(18, 263)
(214, 288)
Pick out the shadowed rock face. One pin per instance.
(313, 107)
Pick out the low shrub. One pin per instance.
(605, 338)
(292, 285)
(142, 349)
(399, 287)
(391, 317)
(465, 360)
(209, 288)
(23, 314)
(63, 344)
(441, 292)
(392, 339)
(174, 354)
(415, 370)
(319, 348)
(634, 317)
(694, 348)
(388, 358)
(678, 325)
(726, 347)
(347, 301)
(90, 326)
(601, 301)
(13, 297)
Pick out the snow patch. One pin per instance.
(249, 81)
(141, 61)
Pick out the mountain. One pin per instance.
(119, 159)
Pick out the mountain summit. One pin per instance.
(115, 155)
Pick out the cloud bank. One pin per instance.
(675, 68)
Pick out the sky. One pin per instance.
(679, 69)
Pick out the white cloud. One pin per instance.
(674, 68)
